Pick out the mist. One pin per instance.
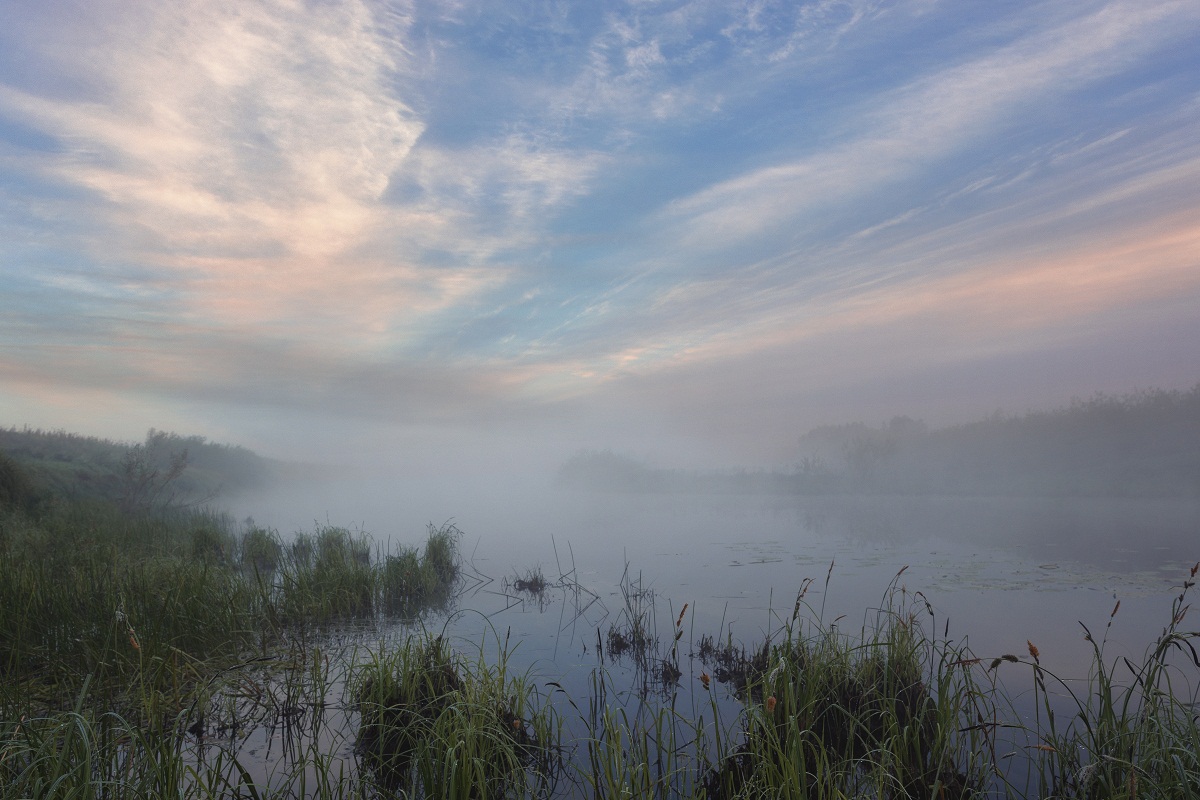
(757, 307)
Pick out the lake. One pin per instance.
(996, 573)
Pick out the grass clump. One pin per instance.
(1126, 737)
(412, 582)
(142, 604)
(532, 582)
(261, 550)
(434, 726)
(633, 632)
(837, 717)
(441, 552)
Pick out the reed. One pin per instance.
(1126, 736)
(143, 606)
(433, 724)
(137, 648)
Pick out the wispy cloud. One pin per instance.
(467, 210)
(264, 127)
(925, 122)
(250, 151)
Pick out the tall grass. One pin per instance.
(135, 647)
(1128, 735)
(895, 712)
(436, 725)
(147, 604)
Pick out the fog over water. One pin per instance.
(730, 300)
(726, 291)
(1001, 570)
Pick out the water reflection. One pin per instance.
(997, 574)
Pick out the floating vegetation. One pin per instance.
(532, 582)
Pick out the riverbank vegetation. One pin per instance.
(164, 469)
(1140, 445)
(173, 653)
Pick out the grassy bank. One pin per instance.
(142, 607)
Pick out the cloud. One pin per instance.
(249, 155)
(457, 211)
(263, 126)
(926, 121)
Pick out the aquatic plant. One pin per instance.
(441, 551)
(434, 725)
(261, 550)
(532, 582)
(135, 650)
(120, 599)
(1137, 737)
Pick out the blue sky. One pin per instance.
(692, 230)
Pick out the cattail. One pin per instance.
(1114, 611)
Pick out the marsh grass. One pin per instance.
(139, 653)
(143, 606)
(895, 711)
(841, 716)
(532, 581)
(436, 725)
(261, 550)
(1133, 729)
(634, 634)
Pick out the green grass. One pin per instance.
(135, 646)
(895, 712)
(433, 724)
(146, 604)
(1135, 731)
(890, 711)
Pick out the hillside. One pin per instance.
(165, 469)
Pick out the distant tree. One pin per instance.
(150, 474)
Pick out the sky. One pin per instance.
(688, 231)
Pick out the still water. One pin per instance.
(1001, 572)
(996, 572)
